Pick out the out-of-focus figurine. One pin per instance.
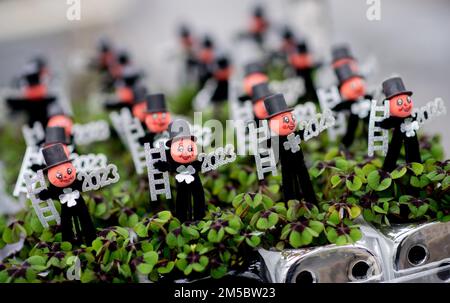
(254, 73)
(258, 24)
(342, 55)
(129, 90)
(405, 129)
(352, 89)
(300, 59)
(205, 59)
(157, 119)
(34, 96)
(259, 93)
(295, 177)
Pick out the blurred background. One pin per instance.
(411, 39)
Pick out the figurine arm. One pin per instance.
(389, 123)
(162, 166)
(147, 138)
(344, 105)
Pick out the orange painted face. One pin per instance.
(300, 61)
(61, 121)
(183, 150)
(283, 124)
(139, 111)
(252, 80)
(260, 109)
(125, 94)
(400, 106)
(62, 175)
(36, 92)
(353, 89)
(157, 122)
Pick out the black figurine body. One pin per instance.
(295, 177)
(76, 223)
(182, 161)
(353, 92)
(401, 105)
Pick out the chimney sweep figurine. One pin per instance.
(205, 61)
(301, 61)
(56, 135)
(76, 223)
(259, 93)
(258, 25)
(128, 90)
(288, 40)
(187, 43)
(182, 160)
(157, 119)
(254, 74)
(352, 89)
(222, 72)
(295, 176)
(341, 55)
(57, 117)
(34, 97)
(400, 107)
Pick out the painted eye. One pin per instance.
(59, 176)
(155, 116)
(285, 119)
(69, 171)
(189, 148)
(180, 148)
(399, 101)
(408, 99)
(293, 118)
(163, 115)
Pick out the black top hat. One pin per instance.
(40, 61)
(156, 103)
(55, 109)
(104, 45)
(341, 52)
(345, 72)
(393, 87)
(31, 73)
(179, 129)
(258, 11)
(123, 57)
(130, 75)
(55, 135)
(276, 104)
(287, 33)
(302, 47)
(254, 67)
(222, 62)
(207, 42)
(54, 155)
(260, 91)
(184, 31)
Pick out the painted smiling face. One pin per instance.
(61, 121)
(283, 124)
(400, 106)
(183, 151)
(260, 109)
(62, 175)
(157, 122)
(139, 111)
(353, 88)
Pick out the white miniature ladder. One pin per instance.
(119, 120)
(264, 156)
(32, 156)
(35, 185)
(241, 113)
(133, 131)
(378, 137)
(329, 98)
(158, 181)
(34, 134)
